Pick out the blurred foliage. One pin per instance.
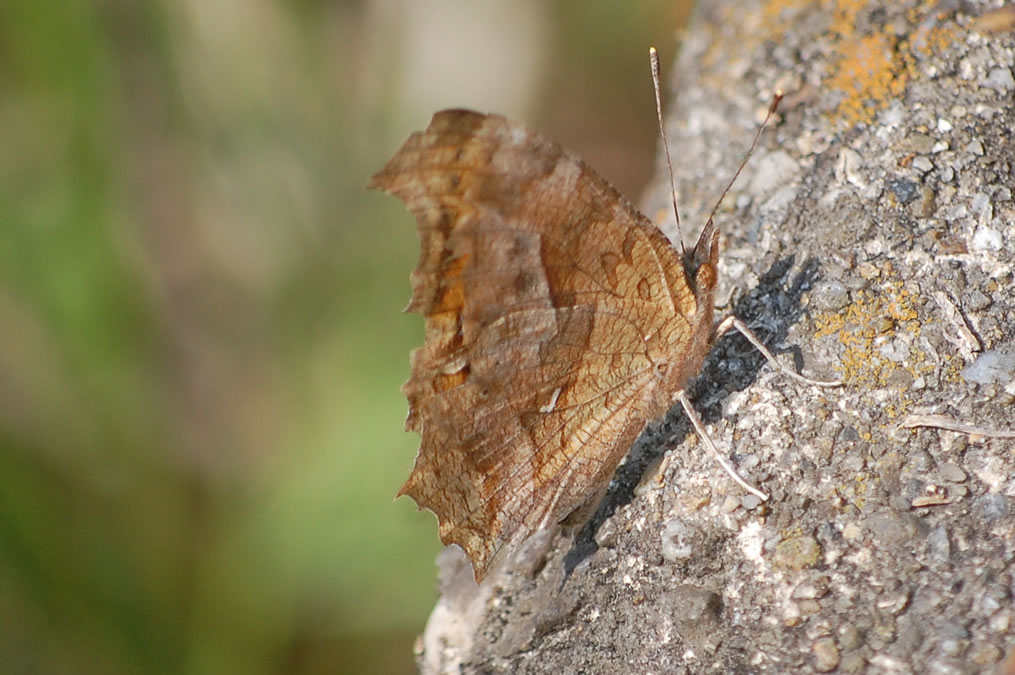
(200, 343)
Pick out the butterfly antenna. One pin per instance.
(653, 56)
(754, 143)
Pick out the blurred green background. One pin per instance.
(201, 342)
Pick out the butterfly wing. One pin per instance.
(544, 294)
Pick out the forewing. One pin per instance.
(541, 287)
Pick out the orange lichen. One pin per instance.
(868, 67)
(870, 71)
(845, 13)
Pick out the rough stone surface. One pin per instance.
(881, 549)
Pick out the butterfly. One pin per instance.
(558, 322)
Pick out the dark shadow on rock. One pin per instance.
(770, 310)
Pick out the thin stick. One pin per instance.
(703, 434)
(949, 424)
(654, 59)
(733, 322)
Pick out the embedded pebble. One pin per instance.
(606, 535)
(750, 502)
(938, 545)
(951, 472)
(995, 366)
(797, 553)
(977, 300)
(991, 507)
(830, 295)
(922, 164)
(730, 504)
(904, 189)
(850, 636)
(999, 79)
(987, 239)
(676, 539)
(985, 654)
(826, 655)
(891, 528)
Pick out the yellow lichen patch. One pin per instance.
(858, 493)
(869, 71)
(931, 37)
(864, 327)
(828, 323)
(869, 64)
(791, 532)
(936, 40)
(772, 13)
(845, 13)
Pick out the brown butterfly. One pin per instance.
(558, 322)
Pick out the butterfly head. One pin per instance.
(679, 354)
(700, 264)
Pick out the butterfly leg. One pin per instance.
(733, 322)
(703, 435)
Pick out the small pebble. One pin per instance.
(951, 472)
(797, 553)
(850, 636)
(999, 79)
(939, 547)
(987, 239)
(830, 295)
(677, 540)
(826, 655)
(730, 504)
(750, 502)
